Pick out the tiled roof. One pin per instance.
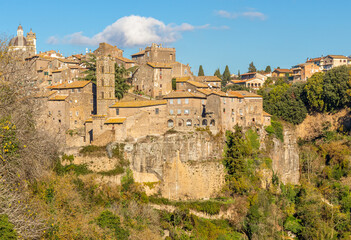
(136, 104)
(282, 70)
(314, 59)
(338, 56)
(66, 85)
(204, 91)
(266, 114)
(126, 60)
(208, 92)
(115, 120)
(197, 84)
(139, 53)
(58, 98)
(245, 80)
(183, 94)
(89, 120)
(249, 73)
(247, 94)
(159, 65)
(182, 79)
(57, 71)
(207, 79)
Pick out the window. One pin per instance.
(117, 111)
(223, 100)
(170, 123)
(212, 123)
(171, 112)
(160, 85)
(202, 101)
(186, 101)
(240, 100)
(72, 90)
(170, 101)
(49, 113)
(182, 84)
(59, 112)
(75, 121)
(223, 110)
(70, 114)
(204, 122)
(186, 111)
(179, 101)
(78, 90)
(232, 111)
(232, 99)
(188, 123)
(77, 113)
(241, 112)
(179, 111)
(157, 110)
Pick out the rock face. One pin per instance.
(187, 165)
(285, 157)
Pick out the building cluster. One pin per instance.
(299, 72)
(84, 112)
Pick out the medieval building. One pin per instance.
(26, 44)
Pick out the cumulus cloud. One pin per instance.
(131, 31)
(248, 14)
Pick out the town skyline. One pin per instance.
(269, 32)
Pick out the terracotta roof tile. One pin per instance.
(197, 84)
(248, 94)
(338, 56)
(136, 104)
(182, 79)
(183, 94)
(266, 114)
(207, 79)
(58, 98)
(115, 120)
(139, 53)
(126, 60)
(282, 70)
(66, 85)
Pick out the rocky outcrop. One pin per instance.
(285, 156)
(187, 165)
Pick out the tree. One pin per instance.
(201, 71)
(226, 76)
(336, 87)
(174, 84)
(90, 64)
(121, 86)
(218, 73)
(252, 67)
(268, 69)
(314, 92)
(239, 77)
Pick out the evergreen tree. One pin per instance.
(121, 86)
(268, 69)
(91, 68)
(218, 73)
(239, 74)
(252, 67)
(226, 76)
(201, 71)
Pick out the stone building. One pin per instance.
(332, 61)
(302, 72)
(157, 67)
(280, 72)
(26, 44)
(106, 50)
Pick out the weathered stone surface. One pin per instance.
(188, 165)
(285, 157)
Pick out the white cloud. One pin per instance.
(131, 31)
(252, 14)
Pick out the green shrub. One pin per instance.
(276, 128)
(253, 139)
(7, 230)
(78, 169)
(108, 220)
(116, 171)
(92, 150)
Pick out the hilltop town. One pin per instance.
(163, 93)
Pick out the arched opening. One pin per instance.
(180, 122)
(212, 123)
(204, 122)
(188, 123)
(170, 123)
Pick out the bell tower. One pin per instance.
(105, 84)
(31, 43)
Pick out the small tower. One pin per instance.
(105, 84)
(31, 43)
(20, 31)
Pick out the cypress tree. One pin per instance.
(201, 71)
(268, 69)
(226, 76)
(218, 73)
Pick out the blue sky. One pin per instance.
(212, 33)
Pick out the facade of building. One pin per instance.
(281, 73)
(332, 61)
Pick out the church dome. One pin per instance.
(18, 41)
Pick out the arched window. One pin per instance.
(188, 122)
(170, 123)
(180, 122)
(212, 123)
(204, 122)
